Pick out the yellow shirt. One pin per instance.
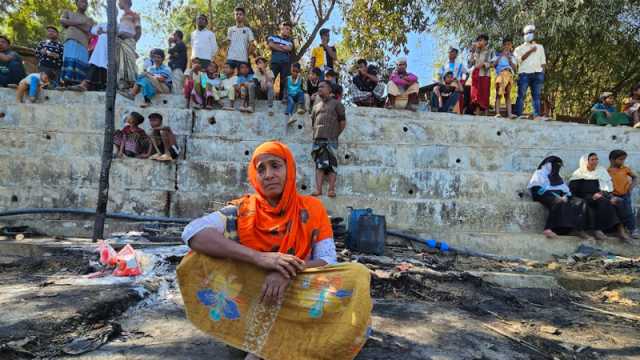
(320, 56)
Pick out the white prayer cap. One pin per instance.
(402, 60)
(529, 28)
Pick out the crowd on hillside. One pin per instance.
(80, 63)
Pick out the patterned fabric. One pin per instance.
(75, 63)
(126, 56)
(324, 154)
(135, 140)
(331, 305)
(53, 47)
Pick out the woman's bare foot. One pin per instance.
(331, 193)
(622, 234)
(550, 234)
(599, 235)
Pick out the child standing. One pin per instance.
(624, 181)
(295, 93)
(481, 76)
(131, 141)
(505, 64)
(312, 88)
(33, 84)
(164, 146)
(245, 88)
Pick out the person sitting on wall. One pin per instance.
(132, 140)
(566, 212)
(593, 184)
(632, 106)
(604, 112)
(11, 68)
(263, 78)
(445, 96)
(163, 144)
(245, 88)
(403, 88)
(260, 262)
(367, 89)
(155, 80)
(33, 85)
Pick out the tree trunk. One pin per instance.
(109, 115)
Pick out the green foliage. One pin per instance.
(376, 28)
(25, 21)
(591, 46)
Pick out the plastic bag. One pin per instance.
(108, 256)
(127, 263)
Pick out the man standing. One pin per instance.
(77, 31)
(240, 38)
(531, 61)
(328, 122)
(203, 43)
(324, 56)
(49, 53)
(458, 69)
(177, 60)
(403, 85)
(281, 51)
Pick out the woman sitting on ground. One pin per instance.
(593, 184)
(263, 276)
(157, 79)
(565, 211)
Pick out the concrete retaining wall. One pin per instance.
(437, 174)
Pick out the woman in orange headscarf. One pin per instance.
(264, 276)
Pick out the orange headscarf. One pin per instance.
(282, 228)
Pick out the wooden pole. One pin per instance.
(109, 115)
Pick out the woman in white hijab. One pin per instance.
(593, 184)
(566, 212)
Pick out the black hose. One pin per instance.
(91, 212)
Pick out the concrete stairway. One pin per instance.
(456, 178)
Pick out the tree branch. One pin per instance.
(321, 21)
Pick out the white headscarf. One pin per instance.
(600, 174)
(541, 178)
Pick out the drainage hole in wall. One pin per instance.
(613, 137)
(48, 137)
(521, 194)
(347, 157)
(499, 133)
(14, 198)
(300, 127)
(458, 161)
(303, 187)
(212, 120)
(1, 115)
(164, 102)
(411, 192)
(405, 129)
(246, 152)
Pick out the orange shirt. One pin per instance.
(621, 178)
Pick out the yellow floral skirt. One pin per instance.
(325, 314)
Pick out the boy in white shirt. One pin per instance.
(203, 43)
(531, 61)
(240, 38)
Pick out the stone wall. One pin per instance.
(439, 175)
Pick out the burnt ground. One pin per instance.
(427, 306)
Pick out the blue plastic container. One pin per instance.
(367, 232)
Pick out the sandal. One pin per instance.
(331, 193)
(316, 193)
(164, 157)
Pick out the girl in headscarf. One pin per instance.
(593, 184)
(263, 272)
(565, 211)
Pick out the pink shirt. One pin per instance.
(407, 81)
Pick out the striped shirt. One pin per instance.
(280, 57)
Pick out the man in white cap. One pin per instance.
(531, 61)
(403, 85)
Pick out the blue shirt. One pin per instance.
(294, 88)
(503, 63)
(280, 57)
(603, 107)
(244, 79)
(162, 70)
(458, 69)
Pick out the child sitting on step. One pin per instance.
(32, 84)
(131, 141)
(227, 88)
(245, 88)
(164, 146)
